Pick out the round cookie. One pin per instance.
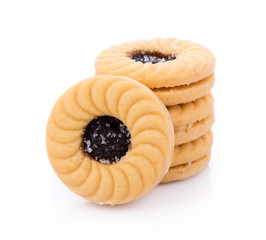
(109, 139)
(191, 151)
(186, 170)
(190, 132)
(191, 112)
(157, 63)
(185, 93)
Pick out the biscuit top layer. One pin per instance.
(106, 139)
(151, 56)
(183, 62)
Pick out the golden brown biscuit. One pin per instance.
(190, 132)
(161, 62)
(186, 170)
(191, 151)
(185, 93)
(110, 119)
(191, 112)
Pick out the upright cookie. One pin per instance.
(110, 139)
(158, 63)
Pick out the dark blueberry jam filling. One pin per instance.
(151, 57)
(106, 139)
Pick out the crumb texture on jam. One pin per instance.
(106, 139)
(151, 56)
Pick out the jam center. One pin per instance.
(151, 57)
(106, 139)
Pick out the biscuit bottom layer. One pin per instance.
(106, 139)
(193, 131)
(186, 170)
(191, 151)
(185, 93)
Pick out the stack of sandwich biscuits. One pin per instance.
(181, 74)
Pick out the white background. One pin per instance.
(47, 46)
